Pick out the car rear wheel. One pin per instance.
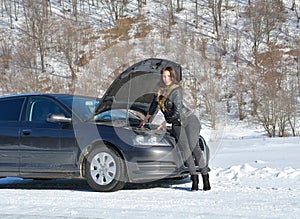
(105, 170)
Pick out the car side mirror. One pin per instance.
(58, 118)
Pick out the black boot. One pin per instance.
(206, 184)
(195, 182)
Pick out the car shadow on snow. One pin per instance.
(82, 185)
(177, 184)
(46, 184)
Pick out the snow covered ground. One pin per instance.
(252, 177)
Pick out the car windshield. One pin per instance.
(82, 106)
(115, 114)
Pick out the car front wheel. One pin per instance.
(105, 170)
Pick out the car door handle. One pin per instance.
(26, 131)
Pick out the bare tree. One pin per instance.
(196, 14)
(10, 7)
(267, 117)
(68, 44)
(240, 91)
(5, 64)
(75, 9)
(295, 8)
(5, 54)
(216, 10)
(264, 16)
(292, 109)
(253, 78)
(297, 59)
(179, 5)
(268, 89)
(114, 10)
(211, 94)
(37, 26)
(171, 14)
(276, 88)
(140, 5)
(25, 68)
(283, 112)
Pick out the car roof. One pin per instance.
(18, 95)
(54, 95)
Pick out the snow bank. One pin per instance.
(251, 178)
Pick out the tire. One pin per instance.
(105, 170)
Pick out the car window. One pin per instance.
(10, 109)
(40, 108)
(81, 106)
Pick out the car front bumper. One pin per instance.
(154, 163)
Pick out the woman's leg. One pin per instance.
(193, 131)
(182, 143)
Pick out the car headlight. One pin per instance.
(150, 140)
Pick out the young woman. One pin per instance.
(185, 125)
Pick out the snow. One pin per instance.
(252, 177)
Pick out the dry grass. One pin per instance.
(121, 32)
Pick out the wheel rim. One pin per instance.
(103, 168)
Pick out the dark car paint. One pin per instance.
(38, 148)
(58, 150)
(9, 145)
(135, 156)
(55, 150)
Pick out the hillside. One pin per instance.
(240, 58)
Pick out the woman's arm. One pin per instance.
(152, 109)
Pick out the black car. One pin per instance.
(67, 136)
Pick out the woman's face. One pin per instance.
(167, 78)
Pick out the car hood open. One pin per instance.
(135, 87)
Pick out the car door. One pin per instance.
(46, 147)
(10, 112)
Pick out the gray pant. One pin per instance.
(188, 142)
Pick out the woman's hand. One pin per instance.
(163, 126)
(142, 124)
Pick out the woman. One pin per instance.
(185, 125)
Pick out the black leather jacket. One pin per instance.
(174, 111)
